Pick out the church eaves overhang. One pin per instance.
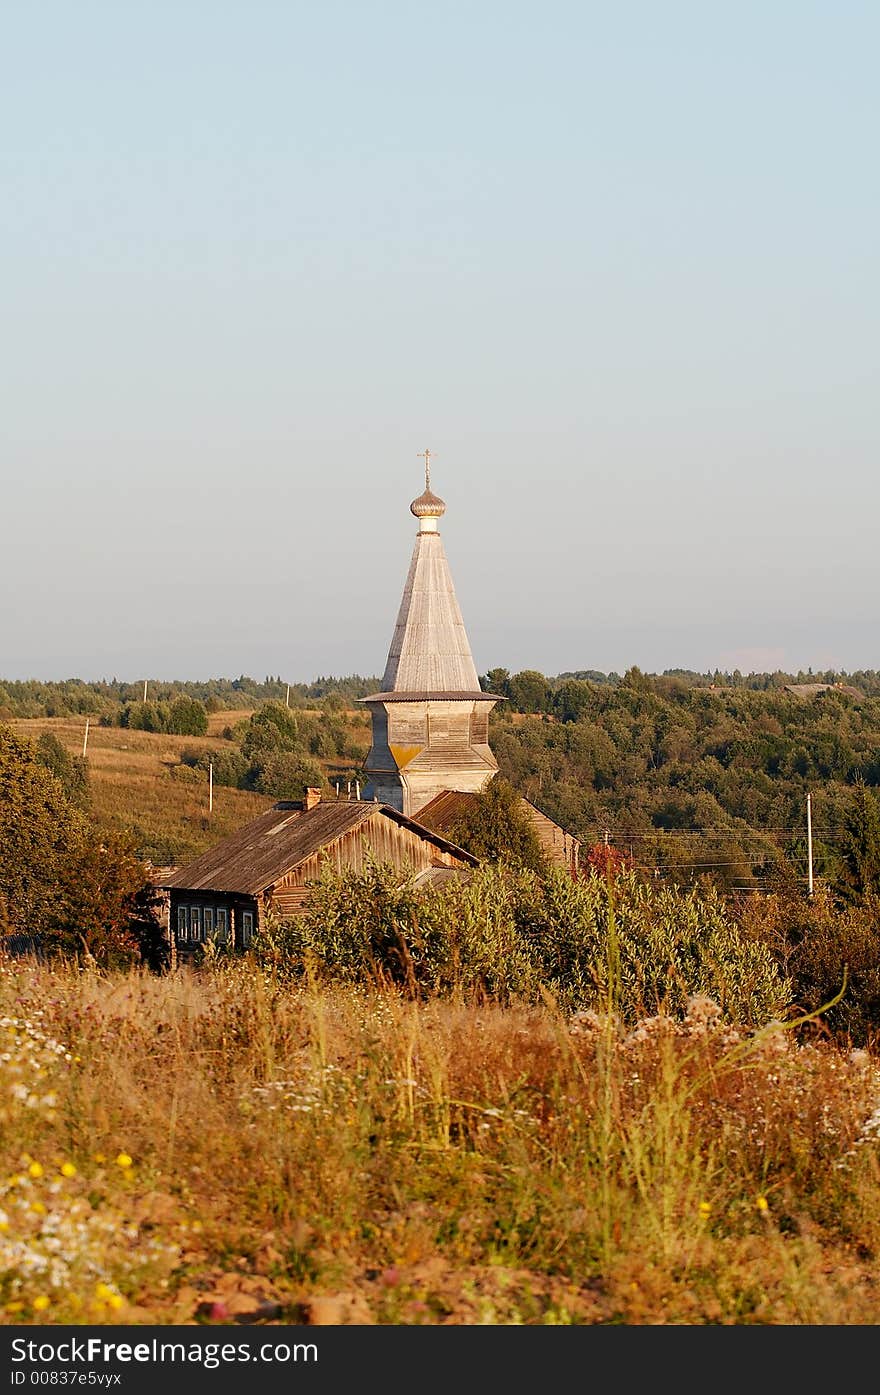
(432, 695)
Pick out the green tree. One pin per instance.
(529, 691)
(861, 846)
(571, 700)
(39, 832)
(71, 772)
(497, 680)
(60, 882)
(496, 828)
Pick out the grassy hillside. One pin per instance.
(139, 783)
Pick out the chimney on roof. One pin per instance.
(312, 797)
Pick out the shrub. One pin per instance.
(507, 935)
(286, 775)
(187, 716)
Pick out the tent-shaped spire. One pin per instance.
(430, 722)
(430, 653)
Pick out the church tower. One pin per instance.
(431, 719)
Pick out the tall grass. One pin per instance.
(223, 1132)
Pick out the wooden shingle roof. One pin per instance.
(429, 650)
(271, 845)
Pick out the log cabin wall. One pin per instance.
(386, 841)
(559, 847)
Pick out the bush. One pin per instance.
(186, 716)
(508, 935)
(286, 775)
(272, 728)
(822, 946)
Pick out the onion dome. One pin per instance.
(427, 506)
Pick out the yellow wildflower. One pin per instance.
(41, 1303)
(115, 1300)
(15, 1307)
(123, 1160)
(38, 1207)
(68, 1170)
(36, 1169)
(104, 1292)
(705, 1208)
(762, 1203)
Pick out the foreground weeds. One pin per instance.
(220, 1146)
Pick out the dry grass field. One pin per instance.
(221, 1145)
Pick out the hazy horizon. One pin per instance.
(616, 266)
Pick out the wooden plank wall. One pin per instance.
(386, 840)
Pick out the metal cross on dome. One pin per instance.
(426, 455)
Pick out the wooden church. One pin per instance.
(430, 751)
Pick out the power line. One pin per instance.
(670, 833)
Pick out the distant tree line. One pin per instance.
(525, 691)
(531, 691)
(107, 699)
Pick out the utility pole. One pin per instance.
(86, 737)
(809, 844)
(287, 699)
(145, 690)
(210, 787)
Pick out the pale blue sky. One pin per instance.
(617, 264)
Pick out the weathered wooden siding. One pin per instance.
(561, 849)
(386, 842)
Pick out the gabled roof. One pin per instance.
(442, 812)
(271, 845)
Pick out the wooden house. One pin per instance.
(560, 848)
(223, 894)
